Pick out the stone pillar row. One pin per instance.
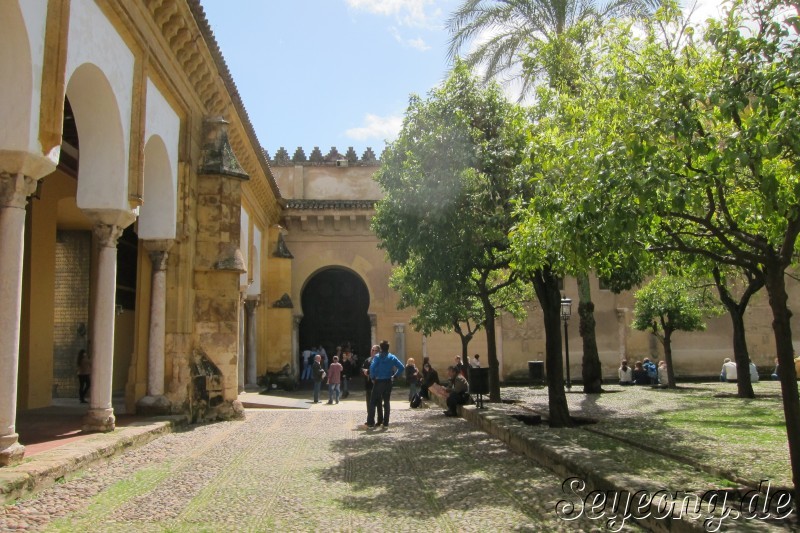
(14, 192)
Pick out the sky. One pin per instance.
(334, 72)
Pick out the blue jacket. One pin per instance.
(385, 366)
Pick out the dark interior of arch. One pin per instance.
(335, 306)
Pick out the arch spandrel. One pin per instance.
(102, 178)
(158, 213)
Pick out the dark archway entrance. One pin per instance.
(335, 304)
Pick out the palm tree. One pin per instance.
(514, 30)
(512, 25)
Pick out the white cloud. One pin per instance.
(375, 127)
(418, 43)
(407, 12)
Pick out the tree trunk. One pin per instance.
(591, 371)
(546, 286)
(668, 358)
(491, 350)
(787, 374)
(464, 348)
(736, 312)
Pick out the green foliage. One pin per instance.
(668, 304)
(448, 183)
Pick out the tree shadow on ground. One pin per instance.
(433, 466)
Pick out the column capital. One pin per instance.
(159, 252)
(399, 328)
(296, 319)
(109, 223)
(15, 189)
(373, 319)
(250, 305)
(107, 234)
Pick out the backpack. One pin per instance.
(416, 401)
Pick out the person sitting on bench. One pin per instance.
(457, 391)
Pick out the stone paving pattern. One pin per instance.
(318, 469)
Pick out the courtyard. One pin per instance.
(317, 468)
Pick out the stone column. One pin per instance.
(14, 192)
(155, 402)
(296, 345)
(251, 377)
(100, 416)
(400, 342)
(240, 363)
(424, 347)
(622, 332)
(373, 330)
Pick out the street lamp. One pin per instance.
(566, 311)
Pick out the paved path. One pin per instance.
(302, 470)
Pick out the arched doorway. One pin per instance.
(335, 304)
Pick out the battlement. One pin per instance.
(332, 158)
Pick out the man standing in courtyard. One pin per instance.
(382, 371)
(317, 374)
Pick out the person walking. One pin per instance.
(84, 375)
(384, 368)
(368, 383)
(318, 374)
(334, 380)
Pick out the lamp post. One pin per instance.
(566, 311)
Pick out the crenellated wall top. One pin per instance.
(316, 158)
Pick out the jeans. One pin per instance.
(380, 405)
(345, 385)
(317, 387)
(454, 399)
(306, 371)
(381, 392)
(413, 389)
(333, 392)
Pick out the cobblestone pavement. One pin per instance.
(289, 470)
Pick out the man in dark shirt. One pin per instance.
(368, 382)
(457, 389)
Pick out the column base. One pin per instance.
(11, 451)
(102, 420)
(252, 387)
(153, 406)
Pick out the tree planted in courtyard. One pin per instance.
(448, 183)
(711, 160)
(546, 41)
(665, 305)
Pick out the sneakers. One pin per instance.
(330, 402)
(369, 426)
(450, 413)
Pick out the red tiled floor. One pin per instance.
(50, 427)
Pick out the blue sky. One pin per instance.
(334, 72)
(330, 72)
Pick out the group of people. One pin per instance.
(337, 374)
(730, 374)
(380, 370)
(644, 372)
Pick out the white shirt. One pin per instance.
(729, 369)
(753, 373)
(626, 375)
(475, 363)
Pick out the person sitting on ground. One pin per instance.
(476, 361)
(457, 391)
(663, 375)
(728, 373)
(429, 377)
(640, 376)
(652, 370)
(774, 375)
(412, 378)
(753, 372)
(625, 374)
